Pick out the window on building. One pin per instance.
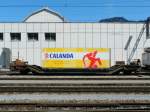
(15, 36)
(50, 36)
(1, 36)
(33, 36)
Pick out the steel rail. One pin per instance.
(96, 107)
(62, 89)
(72, 78)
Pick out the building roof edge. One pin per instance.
(47, 10)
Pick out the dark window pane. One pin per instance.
(33, 36)
(1, 36)
(15, 36)
(53, 36)
(50, 36)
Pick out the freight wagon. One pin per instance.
(94, 65)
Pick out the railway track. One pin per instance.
(73, 110)
(75, 84)
(75, 107)
(37, 77)
(62, 89)
(78, 87)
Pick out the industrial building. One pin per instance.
(48, 29)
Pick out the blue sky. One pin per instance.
(76, 10)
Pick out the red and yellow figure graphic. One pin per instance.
(94, 62)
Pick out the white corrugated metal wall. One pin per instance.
(71, 35)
